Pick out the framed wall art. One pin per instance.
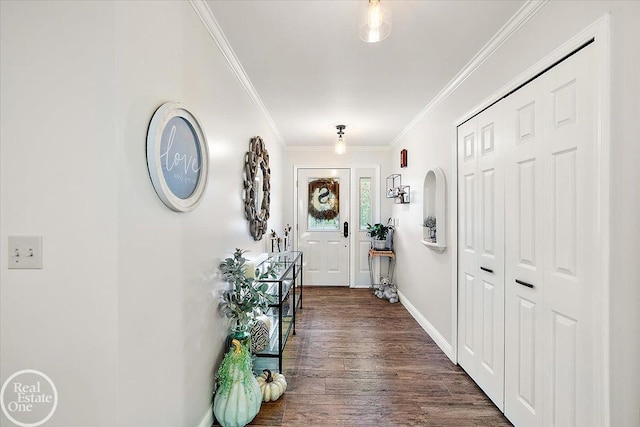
(177, 157)
(403, 158)
(257, 187)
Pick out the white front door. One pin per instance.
(324, 225)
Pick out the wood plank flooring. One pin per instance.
(360, 361)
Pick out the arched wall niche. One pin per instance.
(434, 190)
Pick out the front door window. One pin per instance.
(324, 204)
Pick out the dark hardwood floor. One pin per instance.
(360, 361)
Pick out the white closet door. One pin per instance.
(481, 260)
(524, 211)
(468, 346)
(569, 228)
(549, 276)
(490, 220)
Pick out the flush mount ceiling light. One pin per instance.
(376, 25)
(340, 143)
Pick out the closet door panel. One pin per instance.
(549, 222)
(481, 253)
(526, 323)
(470, 213)
(526, 226)
(523, 246)
(469, 320)
(467, 255)
(569, 225)
(488, 356)
(490, 220)
(487, 220)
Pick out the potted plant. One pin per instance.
(246, 298)
(380, 234)
(429, 229)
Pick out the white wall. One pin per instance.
(59, 180)
(625, 217)
(422, 274)
(425, 277)
(169, 328)
(126, 306)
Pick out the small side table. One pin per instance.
(373, 253)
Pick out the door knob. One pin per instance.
(345, 229)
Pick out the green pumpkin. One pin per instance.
(238, 397)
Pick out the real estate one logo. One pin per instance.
(28, 398)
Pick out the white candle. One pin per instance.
(250, 272)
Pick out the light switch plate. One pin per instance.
(25, 252)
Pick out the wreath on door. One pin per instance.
(324, 195)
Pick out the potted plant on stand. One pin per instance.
(381, 235)
(246, 298)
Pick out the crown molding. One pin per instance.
(327, 148)
(211, 24)
(524, 14)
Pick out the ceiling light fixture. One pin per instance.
(340, 143)
(377, 25)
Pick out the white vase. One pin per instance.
(379, 244)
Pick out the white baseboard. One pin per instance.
(207, 420)
(428, 327)
(329, 285)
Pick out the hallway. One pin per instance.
(359, 361)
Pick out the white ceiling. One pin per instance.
(312, 72)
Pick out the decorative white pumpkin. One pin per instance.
(272, 385)
(238, 397)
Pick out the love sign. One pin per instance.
(177, 157)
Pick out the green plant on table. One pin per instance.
(246, 298)
(379, 231)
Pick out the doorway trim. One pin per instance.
(600, 32)
(353, 202)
